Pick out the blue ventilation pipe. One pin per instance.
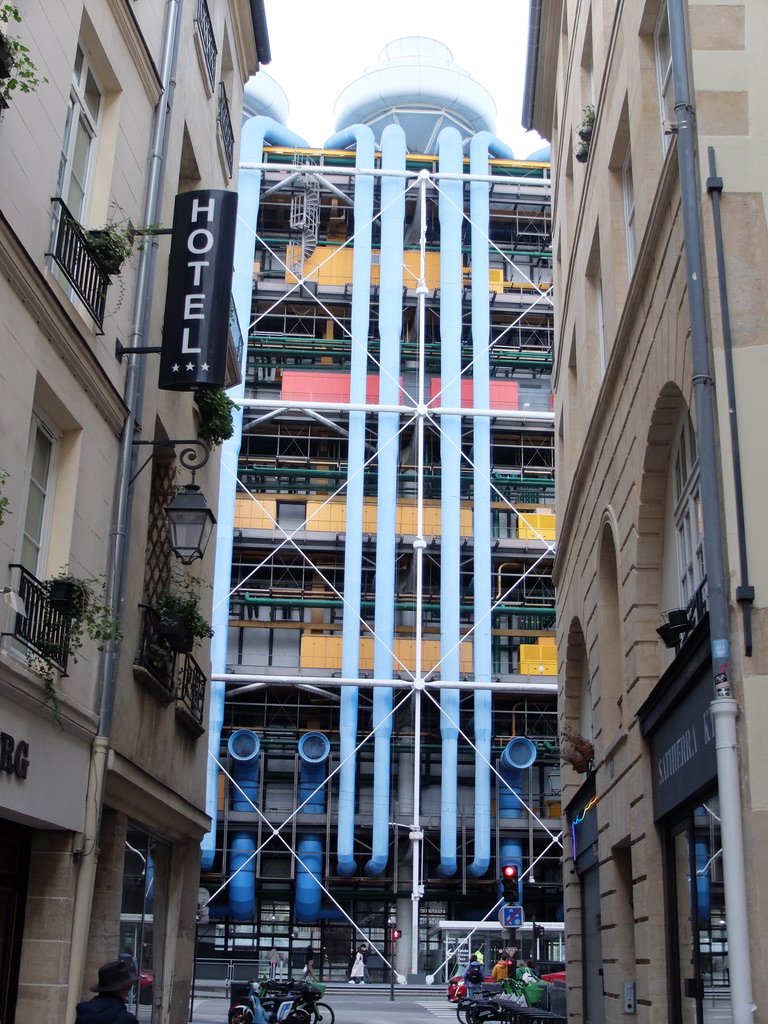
(244, 749)
(481, 146)
(390, 325)
(257, 132)
(314, 750)
(519, 754)
(451, 218)
(353, 545)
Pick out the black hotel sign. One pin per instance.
(197, 303)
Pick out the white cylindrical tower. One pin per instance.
(417, 85)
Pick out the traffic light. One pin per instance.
(396, 933)
(510, 878)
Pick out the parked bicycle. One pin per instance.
(281, 1003)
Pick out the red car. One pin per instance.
(457, 987)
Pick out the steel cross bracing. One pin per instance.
(415, 414)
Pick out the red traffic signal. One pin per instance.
(396, 933)
(510, 877)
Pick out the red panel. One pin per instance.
(308, 386)
(503, 393)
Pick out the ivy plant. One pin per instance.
(17, 69)
(215, 407)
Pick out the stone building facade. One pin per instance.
(658, 127)
(102, 801)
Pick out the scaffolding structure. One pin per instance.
(358, 541)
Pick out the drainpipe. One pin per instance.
(134, 381)
(257, 132)
(723, 707)
(450, 153)
(519, 754)
(390, 327)
(479, 199)
(353, 544)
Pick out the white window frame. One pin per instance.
(47, 489)
(628, 188)
(689, 523)
(663, 51)
(82, 128)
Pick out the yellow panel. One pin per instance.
(329, 517)
(536, 525)
(254, 512)
(324, 652)
(539, 659)
(496, 280)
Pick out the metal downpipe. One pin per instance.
(451, 217)
(117, 555)
(390, 327)
(724, 709)
(256, 132)
(353, 546)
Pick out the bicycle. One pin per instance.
(283, 1003)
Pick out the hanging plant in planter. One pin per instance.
(17, 69)
(576, 750)
(181, 626)
(110, 247)
(584, 131)
(82, 603)
(215, 408)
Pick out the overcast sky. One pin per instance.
(320, 46)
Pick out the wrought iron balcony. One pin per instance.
(75, 258)
(207, 40)
(170, 674)
(44, 629)
(226, 133)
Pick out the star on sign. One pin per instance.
(189, 366)
(204, 366)
(175, 368)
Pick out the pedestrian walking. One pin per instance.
(357, 974)
(365, 949)
(116, 978)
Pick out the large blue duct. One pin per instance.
(353, 546)
(481, 146)
(256, 133)
(451, 221)
(314, 750)
(244, 749)
(519, 754)
(390, 325)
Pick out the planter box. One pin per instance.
(176, 631)
(67, 597)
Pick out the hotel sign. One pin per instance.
(198, 298)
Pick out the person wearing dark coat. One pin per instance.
(108, 1005)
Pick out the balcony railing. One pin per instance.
(169, 675)
(225, 128)
(75, 258)
(207, 39)
(43, 630)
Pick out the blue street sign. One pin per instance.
(512, 916)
